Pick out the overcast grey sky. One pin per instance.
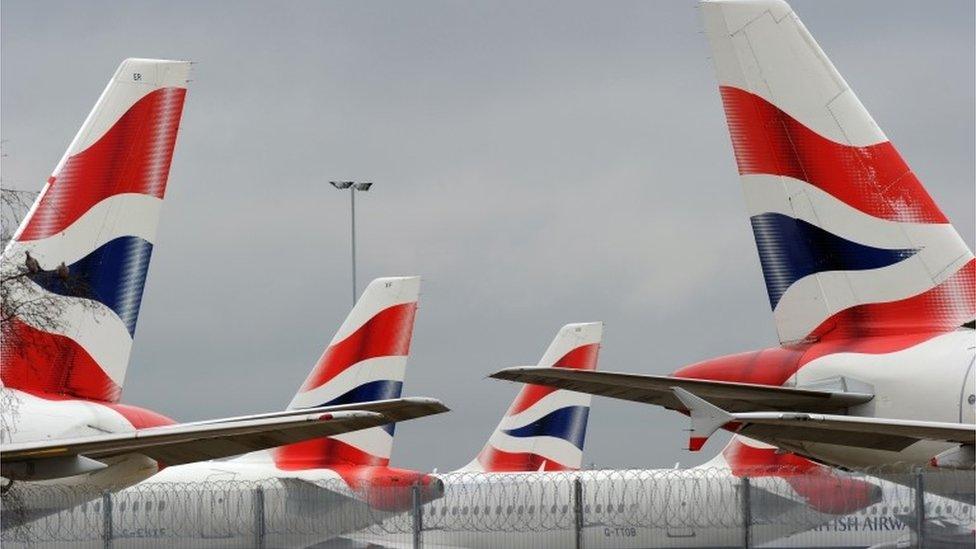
(537, 163)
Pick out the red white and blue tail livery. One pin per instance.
(365, 361)
(362, 367)
(96, 218)
(74, 274)
(850, 242)
(873, 291)
(545, 428)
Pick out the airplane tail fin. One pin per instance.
(850, 242)
(544, 429)
(75, 270)
(365, 361)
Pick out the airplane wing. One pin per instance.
(649, 389)
(786, 427)
(212, 439)
(394, 409)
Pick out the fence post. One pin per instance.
(919, 509)
(107, 533)
(418, 517)
(578, 511)
(259, 533)
(746, 512)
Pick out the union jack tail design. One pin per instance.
(850, 242)
(365, 361)
(545, 427)
(81, 254)
(819, 487)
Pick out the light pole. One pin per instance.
(353, 186)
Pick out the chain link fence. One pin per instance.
(640, 508)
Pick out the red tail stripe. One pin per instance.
(386, 334)
(873, 179)
(380, 486)
(498, 461)
(867, 345)
(323, 453)
(822, 489)
(386, 488)
(382, 477)
(141, 418)
(744, 460)
(943, 308)
(133, 156)
(581, 358)
(41, 362)
(771, 366)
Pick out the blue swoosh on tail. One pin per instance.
(383, 389)
(567, 423)
(114, 275)
(790, 249)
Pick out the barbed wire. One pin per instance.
(295, 511)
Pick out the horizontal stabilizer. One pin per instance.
(189, 442)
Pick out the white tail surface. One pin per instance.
(365, 361)
(850, 242)
(85, 245)
(545, 428)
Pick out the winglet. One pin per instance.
(706, 418)
(513, 373)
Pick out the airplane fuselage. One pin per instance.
(927, 377)
(699, 507)
(41, 489)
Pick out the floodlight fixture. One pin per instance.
(352, 187)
